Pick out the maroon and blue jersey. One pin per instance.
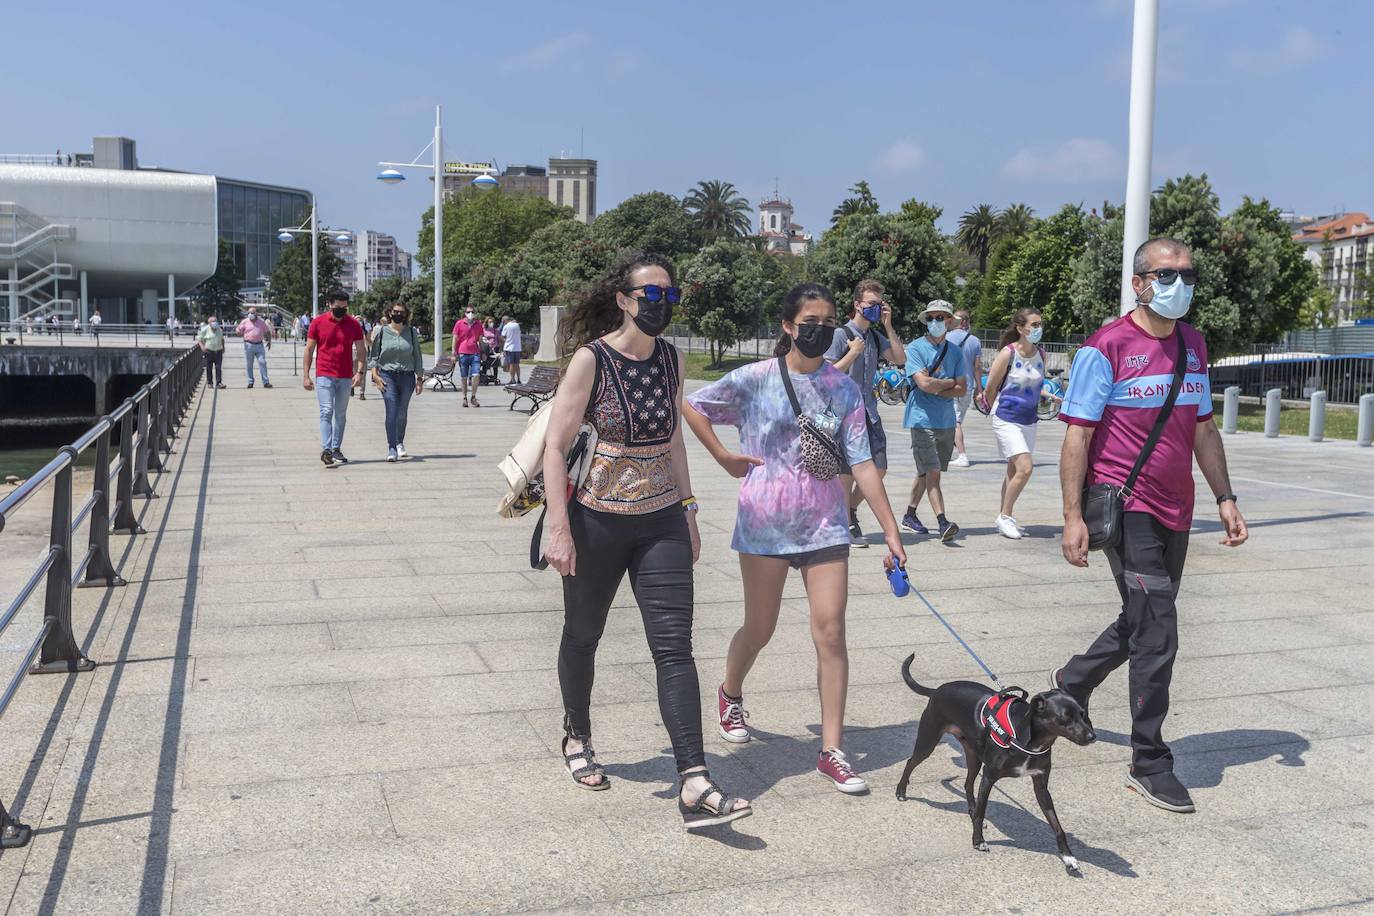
(1119, 381)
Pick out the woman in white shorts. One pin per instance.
(1017, 374)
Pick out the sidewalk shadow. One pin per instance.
(1210, 526)
(1027, 829)
(1202, 765)
(661, 770)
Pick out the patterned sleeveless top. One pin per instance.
(634, 409)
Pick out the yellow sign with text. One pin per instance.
(468, 168)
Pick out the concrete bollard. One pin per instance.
(1271, 412)
(1364, 435)
(1316, 420)
(1230, 409)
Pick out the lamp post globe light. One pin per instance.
(391, 174)
(289, 233)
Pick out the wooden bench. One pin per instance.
(537, 389)
(442, 373)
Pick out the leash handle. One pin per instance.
(996, 681)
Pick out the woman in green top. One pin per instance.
(210, 339)
(397, 366)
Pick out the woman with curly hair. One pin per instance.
(633, 514)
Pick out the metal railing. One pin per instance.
(144, 425)
(108, 334)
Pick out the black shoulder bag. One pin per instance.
(1104, 503)
(821, 455)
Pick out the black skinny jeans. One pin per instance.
(656, 551)
(214, 367)
(1148, 566)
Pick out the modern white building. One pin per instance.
(779, 231)
(367, 257)
(1340, 246)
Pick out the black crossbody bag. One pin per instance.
(1104, 503)
(821, 455)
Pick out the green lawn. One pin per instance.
(1340, 421)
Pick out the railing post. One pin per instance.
(125, 521)
(142, 448)
(12, 833)
(1271, 412)
(1364, 433)
(151, 429)
(100, 571)
(60, 653)
(164, 423)
(1230, 409)
(1316, 420)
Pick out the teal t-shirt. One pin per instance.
(930, 411)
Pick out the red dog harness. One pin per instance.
(994, 715)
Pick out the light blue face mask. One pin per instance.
(935, 327)
(1035, 335)
(1171, 301)
(871, 313)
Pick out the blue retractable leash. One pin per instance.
(901, 586)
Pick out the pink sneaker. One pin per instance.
(732, 716)
(834, 767)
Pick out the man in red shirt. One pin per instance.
(467, 336)
(337, 338)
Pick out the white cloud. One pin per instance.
(1078, 159)
(904, 156)
(1299, 45)
(542, 55)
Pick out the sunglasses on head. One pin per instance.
(1167, 276)
(654, 293)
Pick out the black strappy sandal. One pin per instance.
(589, 765)
(701, 813)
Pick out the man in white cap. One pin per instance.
(936, 370)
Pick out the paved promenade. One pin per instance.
(333, 691)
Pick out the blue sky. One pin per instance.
(994, 101)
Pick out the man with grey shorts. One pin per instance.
(936, 370)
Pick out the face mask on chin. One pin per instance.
(813, 340)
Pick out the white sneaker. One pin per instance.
(960, 462)
(401, 451)
(1007, 526)
(391, 455)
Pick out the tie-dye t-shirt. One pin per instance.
(782, 508)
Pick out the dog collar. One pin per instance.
(994, 715)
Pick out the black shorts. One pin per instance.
(811, 557)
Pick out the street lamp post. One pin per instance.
(312, 226)
(391, 175)
(1144, 42)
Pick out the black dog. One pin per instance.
(1003, 735)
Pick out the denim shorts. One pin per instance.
(812, 557)
(469, 364)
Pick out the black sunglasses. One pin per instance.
(653, 293)
(1167, 276)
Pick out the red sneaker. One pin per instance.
(834, 767)
(732, 716)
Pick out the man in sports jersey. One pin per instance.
(1120, 381)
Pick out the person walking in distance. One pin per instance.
(210, 339)
(467, 336)
(793, 513)
(511, 346)
(633, 514)
(257, 340)
(962, 337)
(360, 387)
(397, 367)
(95, 323)
(856, 351)
(334, 343)
(936, 369)
(1123, 422)
(1015, 380)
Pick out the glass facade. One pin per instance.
(249, 217)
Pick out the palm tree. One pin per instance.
(977, 230)
(718, 210)
(863, 201)
(1015, 221)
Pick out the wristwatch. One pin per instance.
(1225, 496)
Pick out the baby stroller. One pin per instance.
(490, 362)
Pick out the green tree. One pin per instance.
(556, 261)
(920, 211)
(906, 256)
(1265, 272)
(718, 210)
(991, 312)
(859, 203)
(1040, 276)
(219, 293)
(653, 222)
(290, 279)
(373, 302)
(486, 225)
(1015, 221)
(1095, 290)
(1319, 310)
(727, 289)
(977, 228)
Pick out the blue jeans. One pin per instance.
(255, 351)
(332, 393)
(400, 387)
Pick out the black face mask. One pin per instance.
(339, 312)
(814, 339)
(398, 318)
(653, 317)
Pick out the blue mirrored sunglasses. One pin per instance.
(653, 293)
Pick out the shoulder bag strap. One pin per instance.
(787, 384)
(575, 454)
(939, 359)
(1180, 366)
